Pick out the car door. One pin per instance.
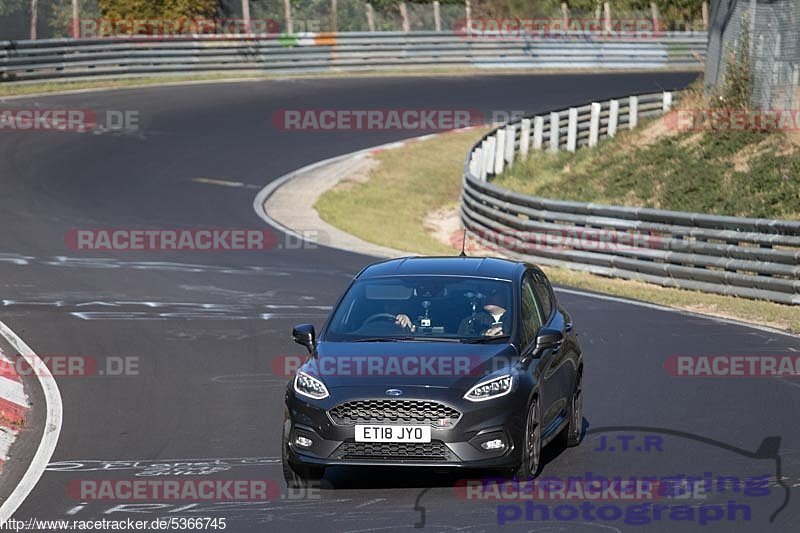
(531, 321)
(560, 371)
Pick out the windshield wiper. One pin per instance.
(408, 339)
(483, 340)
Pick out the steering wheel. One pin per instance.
(379, 316)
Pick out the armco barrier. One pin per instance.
(308, 52)
(747, 257)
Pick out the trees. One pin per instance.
(158, 9)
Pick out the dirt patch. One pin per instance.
(444, 225)
(360, 175)
(695, 139)
(650, 134)
(742, 158)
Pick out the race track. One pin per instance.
(205, 326)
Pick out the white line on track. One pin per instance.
(52, 425)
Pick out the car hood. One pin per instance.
(407, 364)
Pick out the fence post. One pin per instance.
(484, 158)
(633, 112)
(499, 150)
(538, 132)
(666, 104)
(525, 137)
(490, 148)
(474, 162)
(554, 127)
(613, 117)
(572, 129)
(511, 133)
(594, 124)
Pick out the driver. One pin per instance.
(490, 321)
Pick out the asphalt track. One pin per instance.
(205, 326)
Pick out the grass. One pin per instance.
(742, 173)
(410, 182)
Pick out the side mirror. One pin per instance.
(549, 338)
(304, 334)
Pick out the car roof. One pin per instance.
(482, 267)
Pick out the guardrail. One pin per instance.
(748, 257)
(310, 52)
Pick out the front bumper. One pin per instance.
(333, 444)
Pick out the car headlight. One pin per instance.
(307, 385)
(490, 389)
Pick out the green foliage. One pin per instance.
(727, 172)
(734, 92)
(60, 16)
(8, 7)
(158, 9)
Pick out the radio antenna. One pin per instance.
(463, 245)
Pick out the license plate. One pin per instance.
(365, 433)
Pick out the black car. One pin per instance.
(436, 361)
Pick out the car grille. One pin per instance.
(395, 451)
(420, 412)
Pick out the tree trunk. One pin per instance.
(654, 14)
(370, 17)
(468, 8)
(705, 15)
(404, 14)
(287, 16)
(437, 16)
(76, 25)
(34, 18)
(334, 23)
(246, 14)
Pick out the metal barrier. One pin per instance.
(309, 52)
(747, 257)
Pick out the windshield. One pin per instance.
(423, 307)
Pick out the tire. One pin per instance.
(574, 430)
(532, 447)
